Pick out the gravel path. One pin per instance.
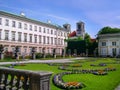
(43, 61)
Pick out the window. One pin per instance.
(6, 22)
(58, 41)
(0, 21)
(19, 25)
(47, 31)
(51, 40)
(30, 37)
(39, 29)
(13, 49)
(35, 37)
(55, 32)
(114, 51)
(44, 40)
(25, 26)
(44, 30)
(113, 43)
(59, 33)
(40, 39)
(6, 49)
(6, 35)
(48, 41)
(51, 31)
(13, 24)
(25, 37)
(35, 27)
(30, 27)
(19, 36)
(13, 36)
(103, 43)
(55, 41)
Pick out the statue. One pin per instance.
(33, 53)
(17, 53)
(1, 52)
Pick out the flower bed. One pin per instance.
(57, 80)
(100, 64)
(100, 72)
(76, 65)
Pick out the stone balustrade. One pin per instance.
(14, 79)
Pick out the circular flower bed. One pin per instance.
(100, 72)
(57, 80)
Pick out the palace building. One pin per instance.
(18, 30)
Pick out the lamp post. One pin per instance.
(33, 53)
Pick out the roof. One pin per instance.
(93, 40)
(31, 20)
(72, 34)
(116, 35)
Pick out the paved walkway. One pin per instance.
(43, 61)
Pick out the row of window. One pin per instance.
(113, 43)
(37, 38)
(25, 26)
(25, 50)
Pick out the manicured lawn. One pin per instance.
(92, 82)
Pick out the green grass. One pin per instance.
(92, 82)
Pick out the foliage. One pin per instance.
(38, 55)
(79, 46)
(108, 30)
(82, 45)
(8, 54)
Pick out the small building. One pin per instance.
(109, 44)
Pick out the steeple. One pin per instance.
(80, 30)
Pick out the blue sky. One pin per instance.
(96, 14)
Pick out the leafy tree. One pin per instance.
(108, 30)
(82, 46)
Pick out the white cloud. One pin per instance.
(57, 17)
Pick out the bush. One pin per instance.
(9, 55)
(38, 55)
(49, 55)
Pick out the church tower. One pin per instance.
(80, 29)
(67, 27)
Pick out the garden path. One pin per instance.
(43, 61)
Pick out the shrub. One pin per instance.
(38, 55)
